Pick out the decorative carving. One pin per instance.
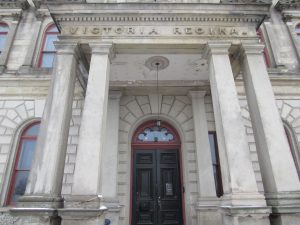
(40, 15)
(23, 4)
(16, 16)
(7, 219)
(287, 4)
(144, 31)
(157, 18)
(157, 62)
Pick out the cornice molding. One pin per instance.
(158, 18)
(150, 13)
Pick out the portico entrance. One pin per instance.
(156, 177)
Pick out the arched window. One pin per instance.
(23, 160)
(48, 49)
(297, 31)
(3, 35)
(293, 147)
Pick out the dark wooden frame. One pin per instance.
(140, 145)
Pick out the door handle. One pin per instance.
(159, 202)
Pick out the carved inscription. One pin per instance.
(155, 31)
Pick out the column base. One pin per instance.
(34, 216)
(243, 199)
(2, 69)
(83, 209)
(42, 201)
(113, 210)
(283, 198)
(245, 215)
(285, 208)
(285, 219)
(207, 209)
(41, 210)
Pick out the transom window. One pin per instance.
(23, 162)
(156, 132)
(48, 49)
(3, 35)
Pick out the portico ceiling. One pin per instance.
(131, 67)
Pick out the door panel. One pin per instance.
(169, 191)
(156, 188)
(144, 201)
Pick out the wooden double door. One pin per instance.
(156, 198)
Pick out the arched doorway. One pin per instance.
(156, 183)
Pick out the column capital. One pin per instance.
(196, 94)
(103, 48)
(116, 95)
(251, 49)
(216, 48)
(66, 48)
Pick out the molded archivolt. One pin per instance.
(290, 114)
(177, 110)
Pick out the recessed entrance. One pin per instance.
(157, 193)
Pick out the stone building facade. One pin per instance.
(153, 112)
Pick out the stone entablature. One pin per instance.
(159, 20)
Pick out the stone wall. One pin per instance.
(289, 109)
(14, 115)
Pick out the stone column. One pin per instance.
(8, 43)
(45, 181)
(86, 189)
(241, 201)
(207, 199)
(109, 162)
(279, 174)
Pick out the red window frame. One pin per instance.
(3, 33)
(265, 50)
(297, 31)
(23, 138)
(43, 49)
